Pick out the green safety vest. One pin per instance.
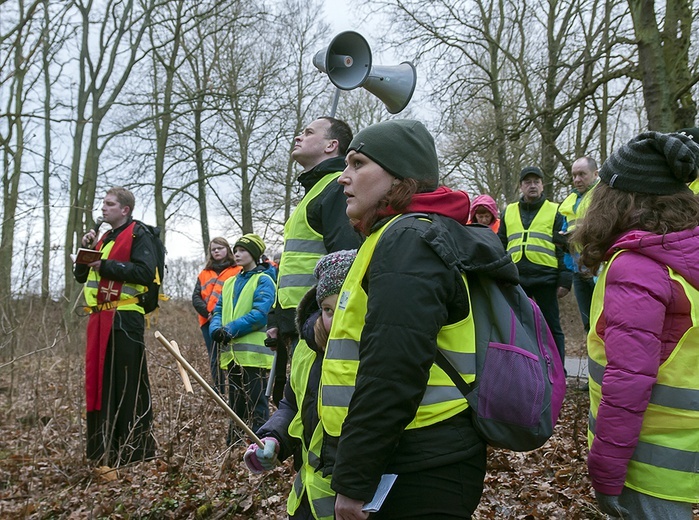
(248, 350)
(537, 241)
(665, 463)
(128, 290)
(442, 400)
(573, 215)
(303, 247)
(309, 479)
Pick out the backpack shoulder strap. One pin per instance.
(443, 363)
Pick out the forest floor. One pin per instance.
(44, 474)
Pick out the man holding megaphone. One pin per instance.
(316, 227)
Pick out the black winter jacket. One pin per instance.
(326, 215)
(414, 288)
(531, 274)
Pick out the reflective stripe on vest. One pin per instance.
(570, 212)
(665, 463)
(537, 241)
(248, 350)
(128, 290)
(441, 400)
(211, 285)
(303, 247)
(321, 497)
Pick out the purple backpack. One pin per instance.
(520, 382)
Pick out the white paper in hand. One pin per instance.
(385, 485)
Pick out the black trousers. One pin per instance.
(546, 297)
(120, 432)
(583, 287)
(448, 491)
(285, 348)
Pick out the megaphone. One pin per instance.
(347, 62)
(394, 85)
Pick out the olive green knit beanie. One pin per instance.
(253, 243)
(402, 147)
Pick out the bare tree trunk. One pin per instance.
(201, 172)
(45, 185)
(12, 164)
(164, 111)
(126, 26)
(663, 62)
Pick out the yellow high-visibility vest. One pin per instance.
(303, 247)
(537, 241)
(665, 463)
(442, 400)
(309, 479)
(572, 214)
(128, 290)
(248, 350)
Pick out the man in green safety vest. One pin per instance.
(318, 226)
(573, 208)
(530, 230)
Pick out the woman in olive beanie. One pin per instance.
(642, 227)
(384, 407)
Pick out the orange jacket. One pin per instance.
(210, 284)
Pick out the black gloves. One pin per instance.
(221, 335)
(610, 504)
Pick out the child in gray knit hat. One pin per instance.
(288, 432)
(330, 271)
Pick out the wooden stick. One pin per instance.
(214, 395)
(183, 372)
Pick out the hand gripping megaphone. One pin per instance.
(347, 62)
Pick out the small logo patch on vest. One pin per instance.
(344, 298)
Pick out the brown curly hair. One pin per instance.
(613, 212)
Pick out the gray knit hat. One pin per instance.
(331, 271)
(402, 147)
(652, 162)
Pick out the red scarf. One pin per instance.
(99, 326)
